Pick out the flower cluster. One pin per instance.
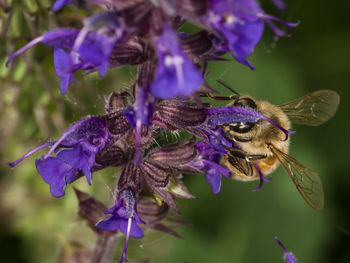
(166, 97)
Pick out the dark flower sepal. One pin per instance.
(158, 217)
(180, 114)
(90, 209)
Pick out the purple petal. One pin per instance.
(248, 38)
(176, 75)
(135, 230)
(60, 170)
(61, 38)
(92, 129)
(110, 224)
(214, 180)
(80, 157)
(63, 68)
(60, 4)
(235, 6)
(55, 173)
(96, 49)
(220, 169)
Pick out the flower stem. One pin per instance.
(104, 248)
(106, 241)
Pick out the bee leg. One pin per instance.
(246, 169)
(252, 158)
(250, 169)
(219, 97)
(242, 139)
(239, 164)
(248, 157)
(238, 153)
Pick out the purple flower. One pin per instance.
(209, 158)
(241, 22)
(123, 217)
(86, 50)
(176, 75)
(288, 256)
(81, 143)
(238, 22)
(62, 63)
(61, 38)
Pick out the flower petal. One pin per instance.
(56, 173)
(135, 230)
(110, 224)
(176, 75)
(63, 68)
(214, 180)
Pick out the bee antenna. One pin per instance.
(227, 86)
(204, 70)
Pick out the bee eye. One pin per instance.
(241, 127)
(246, 103)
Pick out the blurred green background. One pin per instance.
(235, 226)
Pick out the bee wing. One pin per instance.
(312, 109)
(306, 181)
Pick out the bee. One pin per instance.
(259, 148)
